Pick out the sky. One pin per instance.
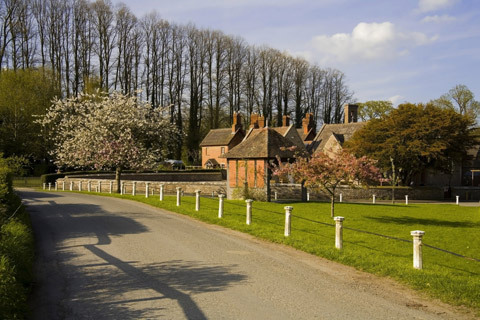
(398, 50)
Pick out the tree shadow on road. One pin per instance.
(108, 290)
(73, 241)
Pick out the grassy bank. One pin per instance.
(16, 251)
(451, 278)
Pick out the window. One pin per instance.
(206, 151)
(222, 150)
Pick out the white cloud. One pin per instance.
(396, 100)
(433, 5)
(368, 41)
(439, 19)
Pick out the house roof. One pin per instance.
(212, 162)
(265, 143)
(341, 131)
(219, 137)
(302, 135)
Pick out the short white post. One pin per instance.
(49, 186)
(220, 205)
(339, 232)
(288, 223)
(122, 188)
(79, 185)
(161, 192)
(56, 186)
(110, 190)
(100, 186)
(71, 185)
(89, 186)
(276, 196)
(179, 195)
(406, 199)
(44, 186)
(63, 185)
(308, 196)
(417, 248)
(249, 211)
(458, 199)
(373, 199)
(134, 188)
(341, 197)
(147, 189)
(197, 200)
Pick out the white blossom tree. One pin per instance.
(108, 131)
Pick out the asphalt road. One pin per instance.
(106, 258)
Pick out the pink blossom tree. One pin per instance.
(325, 172)
(108, 131)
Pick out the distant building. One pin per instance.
(331, 137)
(220, 141)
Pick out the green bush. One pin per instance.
(13, 296)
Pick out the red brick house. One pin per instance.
(249, 163)
(220, 141)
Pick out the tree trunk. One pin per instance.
(118, 173)
(332, 205)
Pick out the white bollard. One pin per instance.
(161, 192)
(276, 197)
(56, 186)
(63, 185)
(308, 196)
(374, 199)
(44, 186)
(71, 185)
(110, 190)
(122, 188)
(134, 188)
(417, 248)
(288, 223)
(339, 232)
(249, 211)
(147, 189)
(406, 199)
(220, 205)
(80, 186)
(89, 186)
(179, 196)
(458, 200)
(341, 197)
(49, 186)
(197, 200)
(100, 186)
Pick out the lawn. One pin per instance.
(27, 182)
(451, 278)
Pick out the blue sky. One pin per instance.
(402, 50)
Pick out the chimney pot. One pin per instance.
(286, 121)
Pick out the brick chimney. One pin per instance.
(254, 120)
(237, 122)
(261, 122)
(351, 113)
(307, 123)
(286, 121)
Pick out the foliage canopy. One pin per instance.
(414, 137)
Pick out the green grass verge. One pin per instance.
(27, 182)
(452, 279)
